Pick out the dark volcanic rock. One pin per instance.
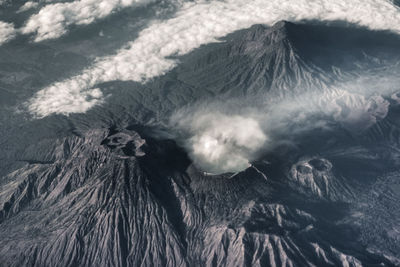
(75, 191)
(92, 206)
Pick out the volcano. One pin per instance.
(116, 186)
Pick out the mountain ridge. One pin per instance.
(118, 195)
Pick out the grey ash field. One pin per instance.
(278, 145)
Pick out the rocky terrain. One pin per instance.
(117, 187)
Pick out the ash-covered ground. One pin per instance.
(212, 133)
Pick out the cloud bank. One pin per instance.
(7, 32)
(193, 25)
(53, 20)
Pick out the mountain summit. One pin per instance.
(128, 195)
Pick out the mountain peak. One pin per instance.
(260, 58)
(261, 39)
(278, 31)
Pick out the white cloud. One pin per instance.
(218, 140)
(195, 24)
(220, 143)
(53, 20)
(226, 136)
(27, 6)
(7, 32)
(354, 111)
(66, 100)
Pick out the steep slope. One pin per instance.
(257, 60)
(113, 198)
(90, 207)
(121, 196)
(286, 58)
(262, 62)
